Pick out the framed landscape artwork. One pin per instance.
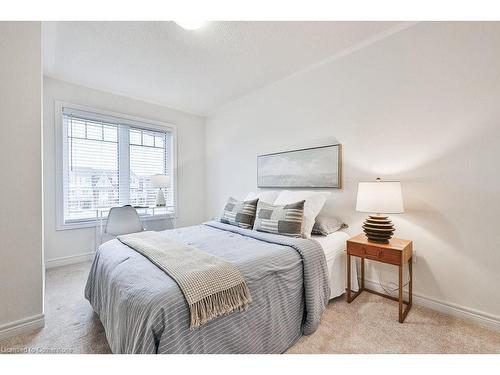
(316, 167)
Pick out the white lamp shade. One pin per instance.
(160, 181)
(382, 197)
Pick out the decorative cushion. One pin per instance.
(325, 225)
(313, 205)
(285, 220)
(239, 213)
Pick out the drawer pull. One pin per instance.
(373, 254)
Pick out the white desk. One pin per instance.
(145, 213)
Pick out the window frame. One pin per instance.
(124, 119)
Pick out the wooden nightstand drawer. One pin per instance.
(390, 256)
(356, 249)
(374, 253)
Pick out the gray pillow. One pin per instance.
(325, 225)
(239, 213)
(285, 220)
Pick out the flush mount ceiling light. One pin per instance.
(191, 24)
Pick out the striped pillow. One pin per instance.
(285, 220)
(239, 213)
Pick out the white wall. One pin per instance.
(421, 106)
(21, 242)
(190, 160)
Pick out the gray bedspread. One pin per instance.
(143, 310)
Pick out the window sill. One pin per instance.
(96, 222)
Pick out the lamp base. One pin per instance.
(378, 228)
(160, 199)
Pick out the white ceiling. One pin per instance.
(196, 71)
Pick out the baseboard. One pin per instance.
(73, 259)
(479, 317)
(22, 326)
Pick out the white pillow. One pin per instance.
(264, 196)
(313, 205)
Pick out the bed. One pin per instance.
(143, 310)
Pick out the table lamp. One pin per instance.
(379, 197)
(160, 181)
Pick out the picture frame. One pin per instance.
(313, 167)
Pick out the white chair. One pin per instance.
(123, 220)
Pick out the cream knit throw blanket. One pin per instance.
(212, 287)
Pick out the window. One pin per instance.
(108, 161)
(148, 156)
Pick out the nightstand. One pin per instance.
(397, 252)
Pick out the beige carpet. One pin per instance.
(368, 325)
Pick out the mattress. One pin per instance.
(334, 246)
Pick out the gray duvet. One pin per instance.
(143, 310)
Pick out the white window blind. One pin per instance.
(108, 161)
(148, 156)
